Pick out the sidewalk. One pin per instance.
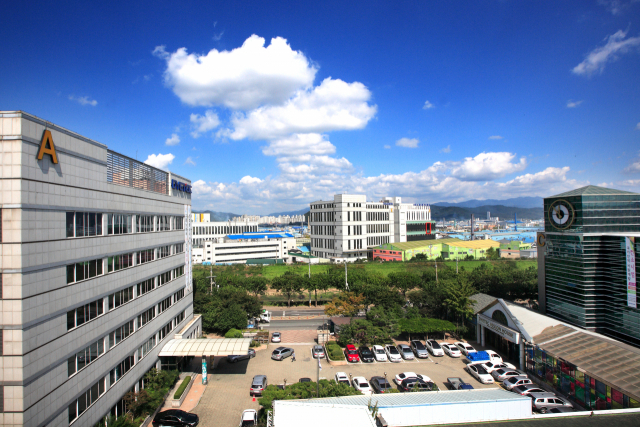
(193, 396)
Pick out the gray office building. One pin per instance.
(95, 273)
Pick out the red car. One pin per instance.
(352, 353)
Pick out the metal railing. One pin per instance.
(123, 170)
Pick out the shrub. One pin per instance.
(334, 352)
(254, 343)
(182, 387)
(233, 333)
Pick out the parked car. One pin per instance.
(458, 384)
(235, 358)
(465, 348)
(419, 349)
(434, 348)
(175, 417)
(249, 418)
(351, 353)
(405, 352)
(304, 380)
(404, 375)
(362, 385)
(281, 353)
(504, 373)
(543, 402)
(317, 352)
(392, 353)
(527, 389)
(451, 349)
(379, 353)
(258, 385)
(492, 366)
(380, 384)
(276, 337)
(519, 380)
(366, 355)
(477, 371)
(411, 384)
(494, 357)
(341, 377)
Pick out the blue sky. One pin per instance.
(267, 106)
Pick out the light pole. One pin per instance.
(346, 284)
(212, 278)
(456, 263)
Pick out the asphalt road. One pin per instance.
(294, 312)
(290, 325)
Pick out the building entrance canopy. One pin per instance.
(206, 347)
(504, 331)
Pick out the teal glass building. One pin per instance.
(582, 262)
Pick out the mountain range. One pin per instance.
(516, 202)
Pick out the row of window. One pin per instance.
(327, 230)
(80, 405)
(378, 216)
(90, 311)
(146, 317)
(223, 229)
(357, 230)
(120, 333)
(357, 216)
(322, 243)
(377, 240)
(86, 224)
(379, 228)
(88, 269)
(323, 216)
(357, 244)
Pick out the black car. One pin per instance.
(416, 384)
(366, 355)
(234, 358)
(175, 417)
(379, 384)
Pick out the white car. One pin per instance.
(362, 385)
(276, 337)
(465, 348)
(512, 382)
(494, 357)
(341, 377)
(405, 352)
(479, 373)
(249, 418)
(393, 354)
(492, 366)
(434, 348)
(404, 375)
(451, 349)
(379, 353)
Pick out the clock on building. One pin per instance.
(561, 214)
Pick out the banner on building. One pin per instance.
(187, 247)
(631, 272)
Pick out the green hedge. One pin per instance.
(180, 389)
(334, 351)
(233, 333)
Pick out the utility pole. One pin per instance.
(436, 271)
(346, 284)
(456, 264)
(212, 278)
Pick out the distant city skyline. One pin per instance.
(267, 108)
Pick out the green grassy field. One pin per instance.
(383, 269)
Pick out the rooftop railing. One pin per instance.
(125, 171)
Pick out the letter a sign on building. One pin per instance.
(47, 147)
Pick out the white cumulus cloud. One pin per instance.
(299, 144)
(487, 166)
(160, 161)
(83, 100)
(174, 139)
(190, 161)
(408, 142)
(241, 79)
(386, 146)
(638, 126)
(446, 149)
(427, 105)
(616, 44)
(495, 137)
(202, 124)
(634, 166)
(573, 104)
(250, 180)
(333, 105)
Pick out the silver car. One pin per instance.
(318, 352)
(281, 353)
(543, 402)
(405, 351)
(419, 349)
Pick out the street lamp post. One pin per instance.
(212, 278)
(346, 284)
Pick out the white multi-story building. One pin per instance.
(345, 227)
(237, 249)
(212, 231)
(95, 272)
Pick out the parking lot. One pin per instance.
(227, 394)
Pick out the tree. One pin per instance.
(314, 283)
(346, 304)
(457, 299)
(288, 284)
(257, 285)
(404, 281)
(424, 326)
(492, 253)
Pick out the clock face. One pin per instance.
(561, 214)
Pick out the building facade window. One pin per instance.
(146, 347)
(146, 317)
(120, 333)
(146, 286)
(179, 248)
(179, 223)
(144, 223)
(164, 278)
(144, 256)
(119, 224)
(163, 223)
(86, 399)
(164, 251)
(85, 356)
(84, 313)
(164, 304)
(123, 296)
(119, 262)
(84, 270)
(83, 224)
(121, 369)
